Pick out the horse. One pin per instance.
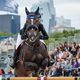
(33, 54)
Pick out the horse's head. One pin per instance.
(32, 33)
(32, 21)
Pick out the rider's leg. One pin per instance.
(15, 59)
(42, 41)
(16, 53)
(19, 41)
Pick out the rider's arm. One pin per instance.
(43, 31)
(22, 32)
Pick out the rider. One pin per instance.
(23, 34)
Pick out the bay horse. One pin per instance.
(33, 53)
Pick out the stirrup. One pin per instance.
(12, 66)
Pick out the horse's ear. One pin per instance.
(26, 10)
(37, 11)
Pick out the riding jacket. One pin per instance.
(44, 35)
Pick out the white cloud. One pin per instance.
(69, 9)
(66, 1)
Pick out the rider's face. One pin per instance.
(28, 21)
(36, 21)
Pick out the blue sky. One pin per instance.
(70, 9)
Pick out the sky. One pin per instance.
(69, 9)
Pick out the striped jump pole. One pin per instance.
(43, 78)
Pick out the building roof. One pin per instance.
(9, 5)
(61, 26)
(7, 13)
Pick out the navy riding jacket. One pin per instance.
(44, 35)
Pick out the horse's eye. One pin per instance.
(29, 29)
(35, 29)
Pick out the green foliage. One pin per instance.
(6, 34)
(68, 33)
(49, 40)
(58, 35)
(64, 34)
(77, 31)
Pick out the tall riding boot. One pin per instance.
(15, 58)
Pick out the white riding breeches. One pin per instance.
(42, 41)
(19, 40)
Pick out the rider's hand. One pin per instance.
(23, 36)
(41, 37)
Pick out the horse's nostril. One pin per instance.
(32, 37)
(35, 34)
(29, 33)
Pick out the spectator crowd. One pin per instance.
(65, 60)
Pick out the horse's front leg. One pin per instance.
(31, 65)
(45, 63)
